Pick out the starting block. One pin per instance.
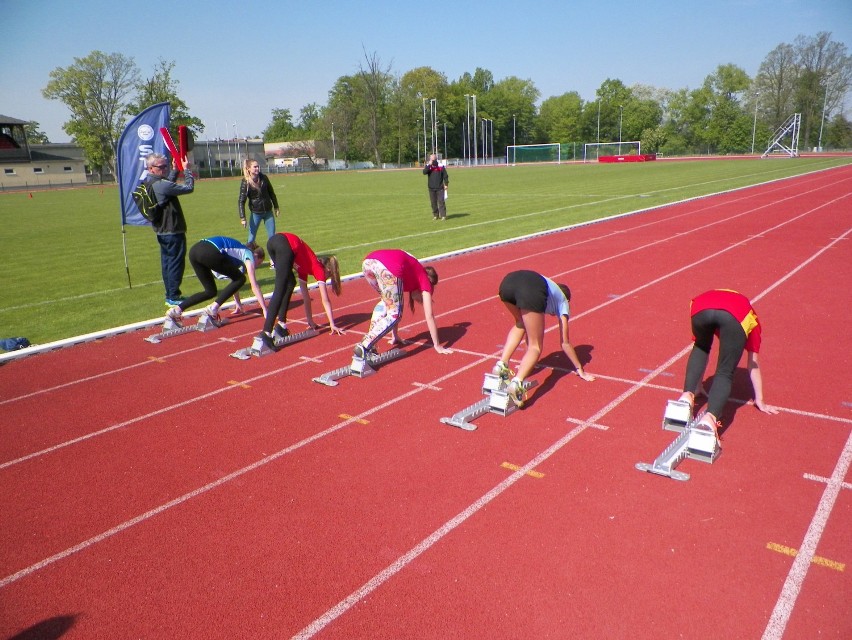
(259, 349)
(496, 400)
(677, 416)
(360, 367)
(171, 328)
(695, 441)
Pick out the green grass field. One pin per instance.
(64, 271)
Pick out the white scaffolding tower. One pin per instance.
(789, 129)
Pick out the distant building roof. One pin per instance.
(11, 120)
(40, 155)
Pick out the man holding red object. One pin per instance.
(169, 222)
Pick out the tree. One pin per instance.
(340, 116)
(281, 128)
(34, 133)
(376, 84)
(559, 118)
(309, 115)
(728, 127)
(810, 76)
(161, 87)
(825, 75)
(511, 98)
(95, 88)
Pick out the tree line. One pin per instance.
(383, 116)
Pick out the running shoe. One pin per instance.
(517, 392)
(280, 331)
(362, 352)
(502, 371)
(704, 424)
(267, 340)
(174, 315)
(172, 302)
(213, 313)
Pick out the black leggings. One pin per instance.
(205, 258)
(280, 253)
(732, 340)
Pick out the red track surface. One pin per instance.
(169, 491)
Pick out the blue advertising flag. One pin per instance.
(141, 137)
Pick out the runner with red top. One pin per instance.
(288, 251)
(730, 316)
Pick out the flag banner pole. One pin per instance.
(137, 141)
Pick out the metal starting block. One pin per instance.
(677, 416)
(694, 441)
(497, 401)
(259, 349)
(171, 328)
(360, 367)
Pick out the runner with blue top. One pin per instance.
(230, 258)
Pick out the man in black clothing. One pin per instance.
(438, 182)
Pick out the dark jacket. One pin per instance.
(437, 176)
(167, 191)
(262, 201)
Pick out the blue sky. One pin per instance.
(236, 61)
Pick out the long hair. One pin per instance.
(331, 265)
(433, 279)
(255, 184)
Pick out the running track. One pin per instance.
(169, 491)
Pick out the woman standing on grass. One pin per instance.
(263, 205)
(229, 257)
(528, 296)
(288, 251)
(392, 272)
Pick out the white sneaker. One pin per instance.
(212, 312)
(517, 392)
(501, 370)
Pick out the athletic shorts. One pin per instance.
(527, 290)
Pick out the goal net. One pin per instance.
(518, 153)
(594, 150)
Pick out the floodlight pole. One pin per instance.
(620, 119)
(467, 127)
(475, 157)
(333, 148)
(433, 107)
(425, 146)
(754, 124)
(491, 126)
(824, 102)
(445, 139)
(599, 120)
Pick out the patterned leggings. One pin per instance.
(388, 312)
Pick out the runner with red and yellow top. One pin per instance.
(730, 316)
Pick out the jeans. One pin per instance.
(172, 262)
(268, 219)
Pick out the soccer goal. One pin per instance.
(594, 150)
(518, 153)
